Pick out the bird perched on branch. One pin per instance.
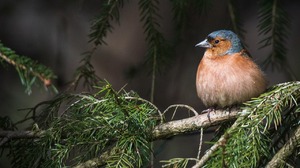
(226, 75)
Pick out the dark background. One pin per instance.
(56, 34)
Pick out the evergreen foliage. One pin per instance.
(158, 48)
(30, 71)
(181, 11)
(178, 162)
(114, 121)
(116, 126)
(253, 138)
(274, 23)
(86, 72)
(249, 141)
(101, 25)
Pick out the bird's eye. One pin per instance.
(217, 41)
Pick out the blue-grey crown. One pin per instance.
(236, 45)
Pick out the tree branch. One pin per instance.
(190, 124)
(176, 127)
(161, 131)
(42, 77)
(285, 151)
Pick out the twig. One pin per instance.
(181, 105)
(220, 142)
(200, 143)
(145, 101)
(208, 153)
(46, 81)
(96, 101)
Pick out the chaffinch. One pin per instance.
(226, 75)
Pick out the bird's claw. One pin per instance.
(208, 112)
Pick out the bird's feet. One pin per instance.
(208, 112)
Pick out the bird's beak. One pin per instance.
(204, 44)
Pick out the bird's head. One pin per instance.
(222, 42)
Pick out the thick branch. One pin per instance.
(285, 151)
(161, 131)
(192, 123)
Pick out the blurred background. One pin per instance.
(55, 33)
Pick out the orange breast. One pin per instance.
(228, 80)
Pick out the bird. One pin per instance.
(226, 75)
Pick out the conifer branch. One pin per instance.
(158, 50)
(180, 10)
(274, 25)
(28, 69)
(96, 115)
(161, 131)
(115, 127)
(101, 25)
(259, 115)
(45, 80)
(86, 72)
(247, 140)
